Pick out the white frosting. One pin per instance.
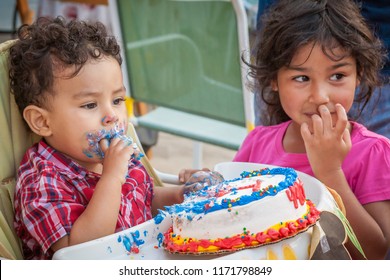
(256, 216)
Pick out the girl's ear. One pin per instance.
(274, 85)
(37, 120)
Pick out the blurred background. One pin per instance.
(168, 153)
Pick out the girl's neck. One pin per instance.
(292, 140)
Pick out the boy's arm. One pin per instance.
(194, 180)
(99, 217)
(101, 214)
(164, 196)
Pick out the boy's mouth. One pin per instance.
(94, 139)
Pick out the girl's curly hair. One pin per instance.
(289, 25)
(49, 43)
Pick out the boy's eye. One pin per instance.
(336, 77)
(301, 78)
(118, 100)
(89, 106)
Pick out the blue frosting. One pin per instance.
(160, 238)
(131, 240)
(159, 217)
(203, 206)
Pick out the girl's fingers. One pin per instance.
(342, 119)
(318, 126)
(305, 132)
(326, 118)
(347, 138)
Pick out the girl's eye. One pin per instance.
(336, 77)
(301, 78)
(89, 106)
(118, 100)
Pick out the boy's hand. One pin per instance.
(185, 174)
(201, 179)
(117, 154)
(328, 144)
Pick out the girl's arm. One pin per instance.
(370, 222)
(326, 147)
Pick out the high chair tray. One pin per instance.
(144, 241)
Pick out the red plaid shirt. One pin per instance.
(52, 191)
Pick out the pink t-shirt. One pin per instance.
(366, 167)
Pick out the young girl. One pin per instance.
(310, 58)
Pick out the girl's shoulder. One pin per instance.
(271, 129)
(368, 146)
(361, 135)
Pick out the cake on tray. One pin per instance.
(261, 207)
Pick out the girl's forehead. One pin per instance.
(333, 51)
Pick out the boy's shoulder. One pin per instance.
(42, 160)
(37, 156)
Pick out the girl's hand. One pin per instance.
(117, 154)
(329, 144)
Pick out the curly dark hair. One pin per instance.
(289, 25)
(49, 43)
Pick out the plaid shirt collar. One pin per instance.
(64, 164)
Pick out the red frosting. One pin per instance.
(175, 243)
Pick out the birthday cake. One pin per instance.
(259, 208)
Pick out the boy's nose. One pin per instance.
(107, 120)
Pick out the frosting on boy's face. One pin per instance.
(94, 138)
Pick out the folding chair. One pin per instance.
(15, 139)
(184, 57)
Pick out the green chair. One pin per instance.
(184, 58)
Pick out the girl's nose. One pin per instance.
(107, 120)
(319, 94)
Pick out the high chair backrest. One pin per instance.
(15, 139)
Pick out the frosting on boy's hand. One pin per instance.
(202, 179)
(137, 152)
(105, 143)
(129, 141)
